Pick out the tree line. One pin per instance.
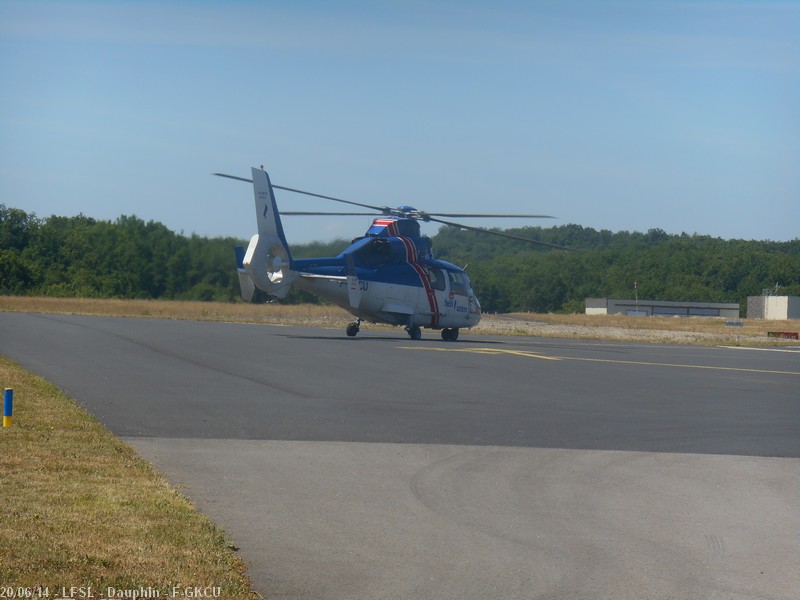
(131, 258)
(81, 256)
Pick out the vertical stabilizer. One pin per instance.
(268, 260)
(267, 215)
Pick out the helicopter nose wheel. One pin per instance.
(450, 335)
(415, 333)
(353, 328)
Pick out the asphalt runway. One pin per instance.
(380, 467)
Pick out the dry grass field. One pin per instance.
(80, 508)
(692, 330)
(240, 312)
(695, 330)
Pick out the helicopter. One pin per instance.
(388, 275)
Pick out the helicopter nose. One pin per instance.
(474, 306)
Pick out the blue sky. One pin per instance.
(683, 116)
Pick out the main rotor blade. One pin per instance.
(303, 213)
(233, 177)
(489, 215)
(381, 209)
(501, 234)
(338, 214)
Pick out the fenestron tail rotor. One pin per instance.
(408, 212)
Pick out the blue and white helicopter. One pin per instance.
(387, 276)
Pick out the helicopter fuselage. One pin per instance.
(430, 293)
(389, 275)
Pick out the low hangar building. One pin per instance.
(631, 307)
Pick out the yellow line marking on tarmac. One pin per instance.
(522, 353)
(678, 365)
(485, 351)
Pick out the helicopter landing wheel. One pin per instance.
(353, 328)
(450, 335)
(415, 333)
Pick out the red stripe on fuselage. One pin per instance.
(413, 257)
(411, 249)
(429, 291)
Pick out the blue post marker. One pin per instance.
(8, 407)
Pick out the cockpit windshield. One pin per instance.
(455, 281)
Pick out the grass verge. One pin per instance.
(78, 507)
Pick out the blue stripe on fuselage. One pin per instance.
(400, 274)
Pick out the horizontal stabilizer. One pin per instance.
(246, 285)
(239, 250)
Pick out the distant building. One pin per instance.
(773, 308)
(613, 306)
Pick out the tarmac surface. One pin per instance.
(380, 467)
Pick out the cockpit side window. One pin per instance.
(437, 279)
